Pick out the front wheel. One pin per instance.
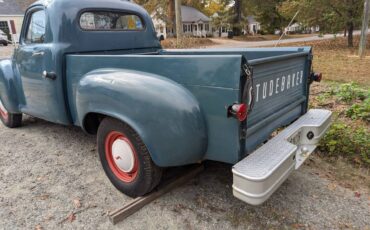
(10, 120)
(125, 159)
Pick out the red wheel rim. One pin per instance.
(112, 158)
(3, 112)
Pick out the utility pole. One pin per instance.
(178, 19)
(364, 30)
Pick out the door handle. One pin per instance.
(49, 75)
(41, 53)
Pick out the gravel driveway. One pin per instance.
(49, 171)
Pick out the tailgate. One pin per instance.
(280, 94)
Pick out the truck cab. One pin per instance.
(100, 66)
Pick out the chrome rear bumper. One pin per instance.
(258, 175)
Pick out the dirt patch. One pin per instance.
(340, 173)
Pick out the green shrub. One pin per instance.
(349, 92)
(360, 110)
(348, 141)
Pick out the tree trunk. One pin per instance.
(364, 28)
(171, 18)
(178, 19)
(350, 28)
(345, 32)
(238, 17)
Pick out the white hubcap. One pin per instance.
(123, 155)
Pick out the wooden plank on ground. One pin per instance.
(138, 203)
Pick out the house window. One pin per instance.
(195, 28)
(189, 28)
(223, 29)
(4, 27)
(185, 28)
(201, 27)
(207, 27)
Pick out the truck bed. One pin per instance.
(216, 74)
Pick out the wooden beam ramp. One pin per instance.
(166, 186)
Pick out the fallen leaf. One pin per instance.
(44, 197)
(357, 194)
(297, 226)
(77, 203)
(71, 217)
(332, 186)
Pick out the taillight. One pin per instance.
(239, 111)
(317, 77)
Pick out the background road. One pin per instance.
(229, 43)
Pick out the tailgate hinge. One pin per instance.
(248, 91)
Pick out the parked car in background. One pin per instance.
(3, 38)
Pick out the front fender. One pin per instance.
(166, 115)
(8, 92)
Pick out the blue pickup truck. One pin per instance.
(100, 66)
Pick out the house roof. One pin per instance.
(251, 20)
(10, 7)
(190, 14)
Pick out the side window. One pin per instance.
(36, 28)
(104, 20)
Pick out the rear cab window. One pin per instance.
(110, 21)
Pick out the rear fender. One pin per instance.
(8, 92)
(167, 116)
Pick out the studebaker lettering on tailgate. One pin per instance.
(151, 108)
(274, 86)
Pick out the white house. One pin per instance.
(160, 27)
(194, 22)
(253, 26)
(295, 27)
(11, 18)
(300, 28)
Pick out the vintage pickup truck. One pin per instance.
(99, 65)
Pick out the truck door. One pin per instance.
(42, 87)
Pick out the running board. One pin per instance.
(258, 175)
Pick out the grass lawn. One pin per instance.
(339, 63)
(171, 43)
